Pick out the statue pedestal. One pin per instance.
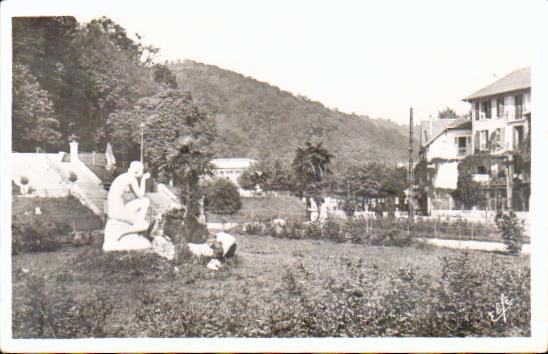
(114, 229)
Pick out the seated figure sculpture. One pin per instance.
(127, 219)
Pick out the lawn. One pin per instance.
(273, 288)
(67, 210)
(264, 208)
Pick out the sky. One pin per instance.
(375, 58)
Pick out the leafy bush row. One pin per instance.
(47, 236)
(364, 301)
(354, 230)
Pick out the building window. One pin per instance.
(496, 141)
(484, 139)
(476, 110)
(482, 170)
(500, 107)
(486, 109)
(518, 104)
(460, 143)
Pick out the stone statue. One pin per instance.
(128, 218)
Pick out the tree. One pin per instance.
(34, 122)
(174, 125)
(222, 197)
(89, 71)
(394, 184)
(511, 229)
(395, 181)
(117, 71)
(124, 133)
(178, 137)
(164, 76)
(249, 179)
(270, 176)
(469, 192)
(447, 113)
(311, 164)
(365, 180)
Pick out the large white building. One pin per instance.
(231, 168)
(501, 112)
(500, 125)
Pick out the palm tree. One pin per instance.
(311, 164)
(188, 162)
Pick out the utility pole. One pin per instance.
(410, 172)
(142, 126)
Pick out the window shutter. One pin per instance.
(502, 140)
(477, 141)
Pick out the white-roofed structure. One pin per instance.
(231, 168)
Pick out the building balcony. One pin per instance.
(513, 116)
(487, 180)
(480, 178)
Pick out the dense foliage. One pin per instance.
(310, 165)
(469, 193)
(83, 73)
(34, 122)
(222, 197)
(373, 181)
(261, 121)
(447, 113)
(295, 289)
(511, 228)
(271, 176)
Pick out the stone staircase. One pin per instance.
(48, 176)
(87, 188)
(42, 174)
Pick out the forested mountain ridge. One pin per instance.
(256, 119)
(90, 80)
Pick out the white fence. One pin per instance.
(486, 216)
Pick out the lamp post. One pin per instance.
(142, 125)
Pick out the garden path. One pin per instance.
(474, 245)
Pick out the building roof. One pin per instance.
(235, 162)
(439, 126)
(517, 80)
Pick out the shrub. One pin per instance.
(331, 230)
(52, 313)
(349, 208)
(313, 230)
(24, 180)
(296, 229)
(181, 229)
(392, 237)
(38, 236)
(511, 229)
(222, 197)
(355, 230)
(254, 228)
